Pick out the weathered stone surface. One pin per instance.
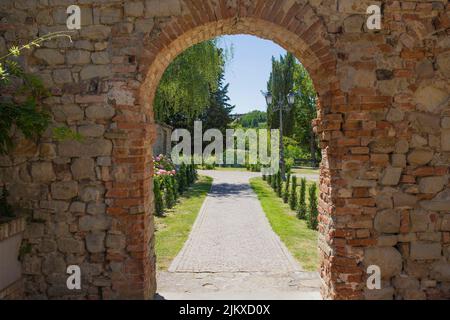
(445, 225)
(100, 112)
(156, 8)
(383, 145)
(110, 15)
(387, 221)
(53, 263)
(134, 9)
(95, 242)
(95, 71)
(404, 201)
(432, 184)
(43, 172)
(144, 25)
(445, 140)
(354, 24)
(92, 193)
(68, 112)
(420, 157)
(425, 251)
(91, 130)
(430, 99)
(388, 259)
(70, 245)
(443, 63)
(100, 58)
(441, 271)
(91, 223)
(50, 56)
(78, 207)
(96, 32)
(83, 168)
(86, 148)
(391, 176)
(382, 294)
(78, 57)
(115, 242)
(96, 208)
(440, 203)
(62, 76)
(64, 190)
(420, 220)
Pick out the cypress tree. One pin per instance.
(293, 195)
(301, 208)
(286, 189)
(313, 212)
(159, 205)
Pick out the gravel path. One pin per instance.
(232, 252)
(232, 233)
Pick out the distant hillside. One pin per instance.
(254, 119)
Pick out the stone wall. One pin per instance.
(163, 140)
(384, 124)
(11, 281)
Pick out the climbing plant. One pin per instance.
(21, 98)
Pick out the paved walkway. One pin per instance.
(232, 250)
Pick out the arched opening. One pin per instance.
(305, 41)
(247, 235)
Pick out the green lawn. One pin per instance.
(228, 169)
(173, 229)
(301, 241)
(305, 171)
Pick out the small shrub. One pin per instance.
(269, 179)
(169, 195)
(301, 208)
(313, 212)
(279, 185)
(159, 205)
(293, 195)
(286, 189)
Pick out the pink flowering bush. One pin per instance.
(163, 166)
(169, 182)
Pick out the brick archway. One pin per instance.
(307, 40)
(384, 125)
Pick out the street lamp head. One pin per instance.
(291, 98)
(269, 98)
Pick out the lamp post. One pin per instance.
(281, 108)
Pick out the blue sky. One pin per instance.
(249, 70)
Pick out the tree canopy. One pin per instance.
(186, 86)
(289, 75)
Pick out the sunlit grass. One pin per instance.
(305, 171)
(173, 229)
(301, 241)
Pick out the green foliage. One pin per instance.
(169, 195)
(65, 133)
(286, 189)
(186, 86)
(289, 75)
(253, 120)
(6, 211)
(281, 83)
(159, 205)
(293, 195)
(301, 208)
(313, 212)
(279, 185)
(21, 96)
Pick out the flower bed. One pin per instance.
(170, 182)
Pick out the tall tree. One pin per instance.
(280, 84)
(185, 88)
(305, 112)
(218, 114)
